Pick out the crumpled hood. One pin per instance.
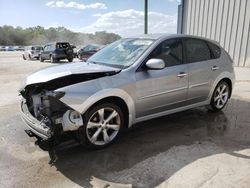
(60, 71)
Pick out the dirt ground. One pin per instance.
(195, 148)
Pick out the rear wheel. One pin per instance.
(70, 59)
(102, 125)
(220, 96)
(24, 58)
(30, 57)
(52, 59)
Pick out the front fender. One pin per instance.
(82, 105)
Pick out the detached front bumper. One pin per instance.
(39, 128)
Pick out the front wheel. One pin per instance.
(102, 125)
(220, 96)
(41, 59)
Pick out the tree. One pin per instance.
(39, 35)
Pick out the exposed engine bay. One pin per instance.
(51, 114)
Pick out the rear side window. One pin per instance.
(196, 50)
(170, 51)
(215, 50)
(62, 45)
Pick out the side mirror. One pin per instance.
(155, 64)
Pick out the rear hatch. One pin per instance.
(36, 49)
(64, 48)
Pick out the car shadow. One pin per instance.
(148, 139)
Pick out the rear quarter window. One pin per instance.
(196, 50)
(62, 45)
(215, 50)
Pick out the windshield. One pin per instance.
(121, 53)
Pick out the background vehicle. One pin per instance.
(2, 48)
(9, 48)
(87, 51)
(57, 51)
(75, 55)
(19, 48)
(129, 81)
(32, 52)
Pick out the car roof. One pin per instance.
(157, 36)
(56, 42)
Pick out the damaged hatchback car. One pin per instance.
(128, 81)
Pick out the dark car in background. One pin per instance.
(19, 48)
(57, 51)
(32, 52)
(87, 51)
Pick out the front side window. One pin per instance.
(170, 51)
(196, 50)
(121, 53)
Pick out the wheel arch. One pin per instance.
(224, 76)
(114, 95)
(117, 101)
(229, 82)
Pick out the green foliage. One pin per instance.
(10, 35)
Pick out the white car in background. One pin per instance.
(32, 52)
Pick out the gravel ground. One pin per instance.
(194, 148)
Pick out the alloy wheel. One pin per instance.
(103, 126)
(221, 96)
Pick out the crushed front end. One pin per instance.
(46, 116)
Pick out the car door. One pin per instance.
(165, 89)
(198, 58)
(43, 53)
(50, 49)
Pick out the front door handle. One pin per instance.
(214, 68)
(182, 74)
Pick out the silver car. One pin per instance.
(129, 81)
(32, 52)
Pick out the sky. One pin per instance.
(124, 17)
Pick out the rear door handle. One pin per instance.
(182, 74)
(214, 68)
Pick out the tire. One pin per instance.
(41, 59)
(96, 133)
(24, 57)
(30, 57)
(52, 59)
(70, 60)
(220, 96)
